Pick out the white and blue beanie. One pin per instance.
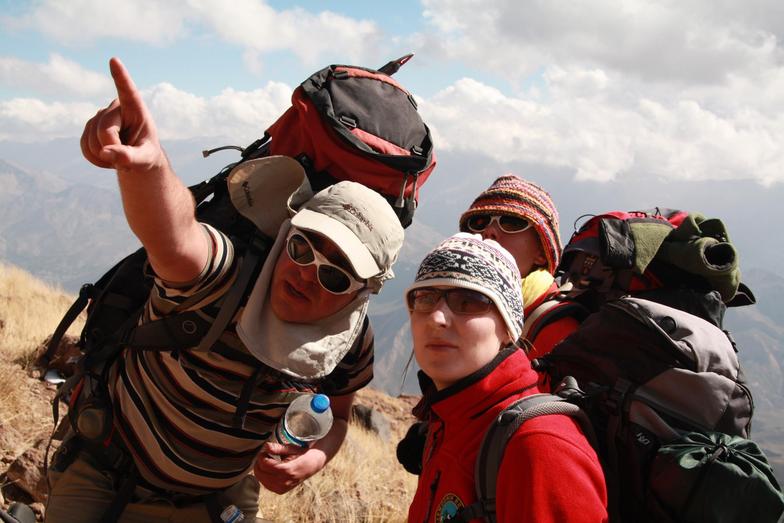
(466, 260)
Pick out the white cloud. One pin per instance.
(682, 90)
(241, 116)
(80, 21)
(655, 41)
(578, 125)
(31, 120)
(581, 126)
(258, 27)
(686, 90)
(59, 76)
(251, 24)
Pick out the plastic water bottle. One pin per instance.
(232, 514)
(307, 419)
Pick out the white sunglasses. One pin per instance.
(508, 224)
(332, 278)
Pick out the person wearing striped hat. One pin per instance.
(521, 216)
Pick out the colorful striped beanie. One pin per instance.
(510, 195)
(467, 261)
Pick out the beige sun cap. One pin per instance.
(263, 189)
(360, 222)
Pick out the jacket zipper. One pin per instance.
(433, 488)
(436, 427)
(433, 440)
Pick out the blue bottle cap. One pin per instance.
(319, 403)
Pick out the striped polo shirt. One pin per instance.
(175, 411)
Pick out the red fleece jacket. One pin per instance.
(549, 472)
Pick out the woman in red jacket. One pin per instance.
(466, 315)
(522, 217)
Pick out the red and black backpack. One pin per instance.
(602, 254)
(359, 124)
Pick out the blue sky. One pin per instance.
(604, 89)
(205, 64)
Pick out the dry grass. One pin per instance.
(29, 312)
(364, 482)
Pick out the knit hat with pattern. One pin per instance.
(510, 195)
(467, 261)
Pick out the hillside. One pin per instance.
(363, 483)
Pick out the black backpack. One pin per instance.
(700, 476)
(654, 376)
(665, 402)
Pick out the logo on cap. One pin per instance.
(355, 212)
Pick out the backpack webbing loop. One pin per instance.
(173, 332)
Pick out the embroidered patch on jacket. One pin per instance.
(448, 508)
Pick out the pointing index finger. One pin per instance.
(127, 92)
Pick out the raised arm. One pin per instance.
(158, 206)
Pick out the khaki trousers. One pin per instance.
(82, 493)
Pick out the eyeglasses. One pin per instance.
(459, 301)
(334, 279)
(508, 224)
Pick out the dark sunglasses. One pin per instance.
(459, 301)
(508, 224)
(334, 279)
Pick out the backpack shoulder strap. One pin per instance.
(550, 311)
(496, 438)
(254, 256)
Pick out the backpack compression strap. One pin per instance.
(493, 446)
